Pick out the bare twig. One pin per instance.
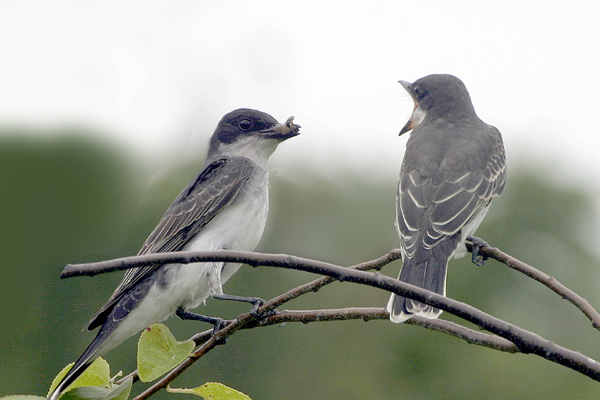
(318, 283)
(582, 304)
(526, 341)
(214, 340)
(277, 260)
(469, 335)
(186, 257)
(246, 321)
(366, 314)
(275, 302)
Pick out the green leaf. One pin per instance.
(97, 374)
(159, 352)
(213, 391)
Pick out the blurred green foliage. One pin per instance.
(73, 200)
(62, 198)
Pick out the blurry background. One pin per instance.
(105, 112)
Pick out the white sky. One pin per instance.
(145, 72)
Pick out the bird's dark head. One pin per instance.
(249, 133)
(437, 96)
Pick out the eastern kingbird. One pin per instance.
(225, 207)
(454, 165)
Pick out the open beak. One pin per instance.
(411, 122)
(282, 131)
(409, 126)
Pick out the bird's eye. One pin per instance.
(419, 93)
(245, 124)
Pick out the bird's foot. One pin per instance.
(478, 243)
(217, 323)
(256, 302)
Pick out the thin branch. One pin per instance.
(581, 303)
(471, 336)
(526, 341)
(207, 341)
(276, 261)
(213, 341)
(246, 321)
(367, 314)
(187, 257)
(318, 283)
(313, 286)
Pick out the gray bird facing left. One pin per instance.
(225, 207)
(453, 167)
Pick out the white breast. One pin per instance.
(237, 227)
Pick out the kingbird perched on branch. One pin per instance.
(225, 207)
(453, 167)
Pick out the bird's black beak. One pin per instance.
(411, 123)
(407, 86)
(282, 131)
(407, 127)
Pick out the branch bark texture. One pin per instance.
(525, 341)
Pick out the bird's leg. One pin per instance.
(216, 290)
(217, 323)
(255, 301)
(478, 243)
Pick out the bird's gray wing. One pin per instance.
(215, 188)
(434, 208)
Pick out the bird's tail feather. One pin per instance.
(88, 356)
(108, 336)
(84, 360)
(429, 274)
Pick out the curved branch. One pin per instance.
(470, 336)
(203, 339)
(581, 303)
(526, 341)
(318, 283)
(367, 314)
(187, 257)
(256, 259)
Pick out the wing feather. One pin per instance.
(432, 208)
(215, 188)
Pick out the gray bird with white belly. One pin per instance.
(225, 207)
(453, 167)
